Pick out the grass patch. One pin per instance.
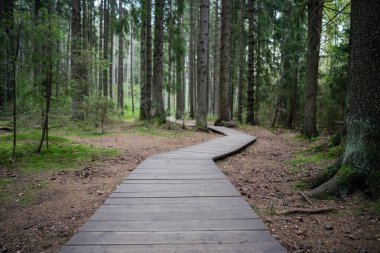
(314, 156)
(62, 154)
(300, 186)
(161, 131)
(6, 181)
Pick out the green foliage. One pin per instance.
(375, 207)
(62, 154)
(6, 181)
(345, 176)
(162, 131)
(300, 186)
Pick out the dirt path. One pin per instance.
(262, 173)
(71, 197)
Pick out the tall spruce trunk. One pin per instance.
(76, 70)
(201, 120)
(120, 72)
(158, 61)
(105, 45)
(241, 61)
(179, 69)
(149, 58)
(216, 57)
(361, 155)
(100, 49)
(143, 69)
(315, 8)
(251, 65)
(191, 60)
(224, 96)
(131, 70)
(111, 33)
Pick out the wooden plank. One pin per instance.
(177, 171)
(180, 181)
(207, 187)
(183, 248)
(168, 176)
(177, 237)
(178, 207)
(171, 194)
(111, 213)
(173, 225)
(169, 201)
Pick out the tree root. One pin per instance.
(306, 210)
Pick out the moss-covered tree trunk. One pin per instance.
(362, 153)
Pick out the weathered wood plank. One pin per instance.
(173, 225)
(177, 237)
(183, 248)
(207, 187)
(203, 176)
(172, 181)
(112, 213)
(184, 200)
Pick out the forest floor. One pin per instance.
(264, 172)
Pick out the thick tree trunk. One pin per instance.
(158, 62)
(224, 96)
(201, 120)
(241, 61)
(76, 68)
(251, 66)
(191, 60)
(315, 8)
(143, 66)
(149, 58)
(120, 72)
(179, 66)
(363, 93)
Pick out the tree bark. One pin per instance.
(363, 109)
(191, 60)
(158, 102)
(131, 70)
(143, 63)
(251, 66)
(76, 68)
(105, 46)
(201, 120)
(241, 61)
(149, 58)
(111, 33)
(315, 8)
(224, 96)
(100, 49)
(120, 72)
(217, 58)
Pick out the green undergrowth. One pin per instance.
(317, 155)
(62, 154)
(167, 130)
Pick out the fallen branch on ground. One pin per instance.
(306, 198)
(306, 210)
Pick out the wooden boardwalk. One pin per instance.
(178, 202)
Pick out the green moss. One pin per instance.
(300, 186)
(62, 154)
(6, 181)
(345, 175)
(375, 207)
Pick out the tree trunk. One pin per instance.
(76, 68)
(201, 120)
(105, 46)
(100, 54)
(111, 33)
(315, 8)
(241, 61)
(143, 66)
(216, 57)
(179, 64)
(191, 60)
(149, 58)
(224, 96)
(361, 155)
(131, 70)
(120, 72)
(251, 65)
(158, 102)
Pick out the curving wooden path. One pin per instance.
(178, 201)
